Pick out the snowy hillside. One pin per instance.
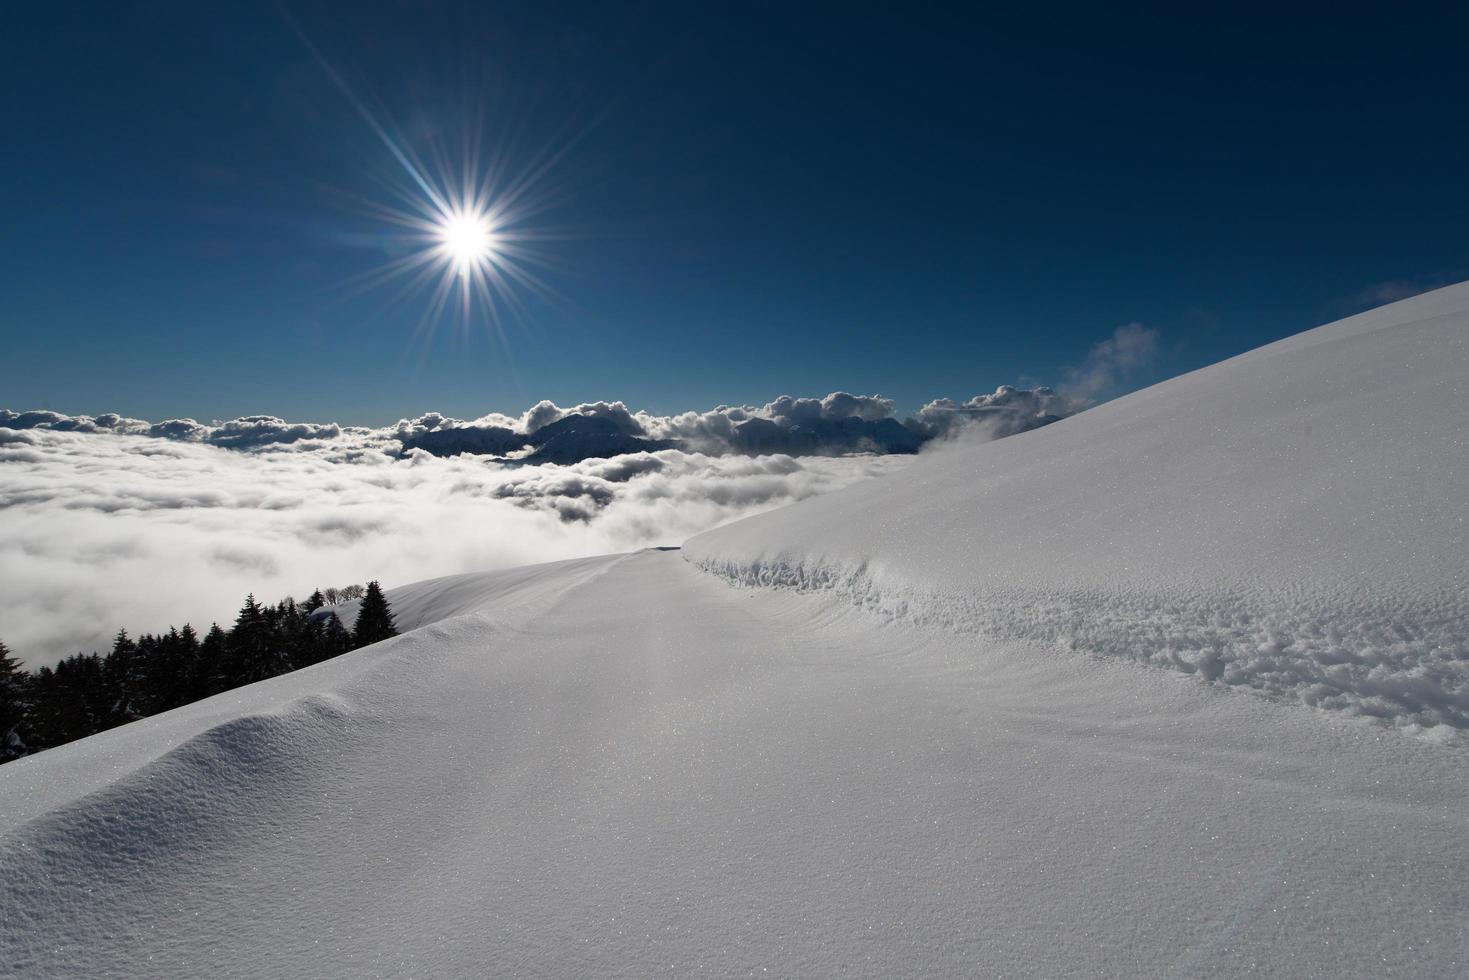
(1294, 520)
(624, 766)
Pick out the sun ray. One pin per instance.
(459, 217)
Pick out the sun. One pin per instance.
(467, 235)
(467, 240)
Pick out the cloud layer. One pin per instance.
(108, 521)
(140, 532)
(841, 423)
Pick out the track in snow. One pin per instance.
(624, 766)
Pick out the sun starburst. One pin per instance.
(467, 235)
(467, 240)
(468, 254)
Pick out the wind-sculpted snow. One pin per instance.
(1294, 521)
(1405, 664)
(621, 767)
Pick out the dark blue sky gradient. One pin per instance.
(758, 200)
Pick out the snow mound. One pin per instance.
(193, 739)
(1293, 521)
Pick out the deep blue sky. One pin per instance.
(765, 199)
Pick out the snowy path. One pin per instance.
(653, 772)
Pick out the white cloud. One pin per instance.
(100, 533)
(837, 424)
(1392, 290)
(109, 522)
(1005, 412)
(1131, 346)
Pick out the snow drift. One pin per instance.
(1294, 520)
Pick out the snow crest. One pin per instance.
(1406, 664)
(1293, 521)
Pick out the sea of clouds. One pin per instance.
(108, 522)
(131, 531)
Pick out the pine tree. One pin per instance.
(121, 671)
(254, 650)
(335, 640)
(87, 693)
(45, 715)
(189, 659)
(207, 677)
(12, 706)
(70, 702)
(374, 618)
(168, 670)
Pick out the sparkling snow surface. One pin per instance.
(625, 766)
(1294, 521)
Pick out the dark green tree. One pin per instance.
(335, 639)
(297, 634)
(169, 664)
(207, 677)
(87, 693)
(122, 671)
(70, 702)
(184, 664)
(374, 618)
(13, 702)
(254, 650)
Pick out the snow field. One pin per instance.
(754, 782)
(1294, 521)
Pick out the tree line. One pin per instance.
(89, 693)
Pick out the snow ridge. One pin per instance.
(1405, 663)
(1290, 521)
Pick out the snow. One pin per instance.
(1294, 521)
(624, 765)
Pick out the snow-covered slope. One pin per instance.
(652, 772)
(504, 600)
(1294, 520)
(625, 766)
